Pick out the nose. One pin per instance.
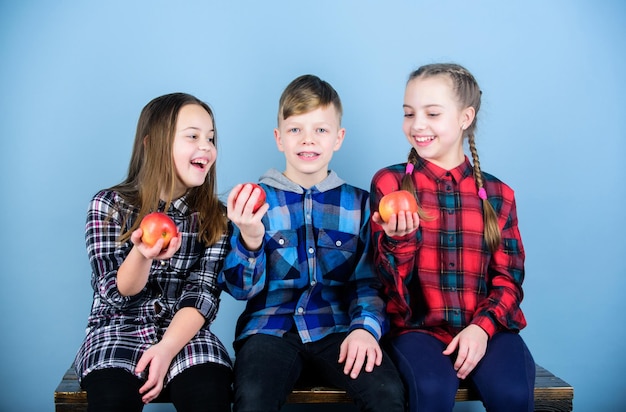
(307, 137)
(418, 122)
(205, 145)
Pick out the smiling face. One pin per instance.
(433, 121)
(309, 141)
(193, 150)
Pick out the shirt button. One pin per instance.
(300, 310)
(163, 263)
(311, 250)
(281, 241)
(338, 243)
(251, 260)
(313, 283)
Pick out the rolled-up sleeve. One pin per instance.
(106, 255)
(200, 290)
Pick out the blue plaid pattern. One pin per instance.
(313, 272)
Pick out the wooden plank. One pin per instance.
(552, 394)
(318, 394)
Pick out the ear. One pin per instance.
(341, 134)
(279, 142)
(467, 117)
(145, 141)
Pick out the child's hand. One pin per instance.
(156, 251)
(472, 345)
(240, 204)
(400, 224)
(356, 348)
(157, 360)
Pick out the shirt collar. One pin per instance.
(459, 173)
(179, 205)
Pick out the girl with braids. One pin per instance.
(452, 272)
(149, 326)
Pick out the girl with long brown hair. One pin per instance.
(148, 330)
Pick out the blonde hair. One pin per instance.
(307, 93)
(152, 171)
(468, 94)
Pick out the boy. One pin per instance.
(301, 261)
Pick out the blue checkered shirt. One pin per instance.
(314, 272)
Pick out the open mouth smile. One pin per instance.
(308, 155)
(200, 163)
(424, 139)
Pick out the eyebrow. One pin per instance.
(193, 128)
(426, 106)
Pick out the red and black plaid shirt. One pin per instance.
(443, 277)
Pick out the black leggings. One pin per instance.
(202, 388)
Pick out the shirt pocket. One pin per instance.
(282, 254)
(337, 254)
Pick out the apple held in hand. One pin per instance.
(394, 202)
(155, 226)
(260, 201)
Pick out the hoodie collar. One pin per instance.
(276, 179)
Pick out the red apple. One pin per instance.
(155, 226)
(394, 202)
(260, 201)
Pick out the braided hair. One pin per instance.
(468, 94)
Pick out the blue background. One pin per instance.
(74, 76)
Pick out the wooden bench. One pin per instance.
(552, 394)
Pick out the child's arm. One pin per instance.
(501, 308)
(240, 203)
(185, 324)
(394, 247)
(243, 275)
(399, 225)
(201, 290)
(471, 344)
(359, 348)
(196, 306)
(106, 217)
(133, 273)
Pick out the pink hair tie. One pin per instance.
(482, 193)
(409, 169)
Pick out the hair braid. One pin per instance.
(407, 184)
(491, 231)
(468, 94)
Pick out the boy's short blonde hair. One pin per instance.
(307, 93)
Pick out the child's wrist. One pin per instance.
(252, 244)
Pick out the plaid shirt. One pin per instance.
(120, 328)
(442, 277)
(312, 273)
